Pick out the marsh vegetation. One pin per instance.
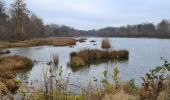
(106, 43)
(8, 66)
(38, 42)
(92, 56)
(155, 85)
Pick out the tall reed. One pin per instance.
(106, 43)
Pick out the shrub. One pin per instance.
(154, 82)
(106, 43)
(165, 95)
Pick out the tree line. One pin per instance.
(161, 30)
(18, 22)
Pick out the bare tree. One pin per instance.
(18, 12)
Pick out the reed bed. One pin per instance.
(90, 56)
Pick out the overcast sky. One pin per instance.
(95, 14)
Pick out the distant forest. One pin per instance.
(18, 22)
(161, 30)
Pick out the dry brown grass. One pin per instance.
(120, 96)
(8, 81)
(39, 42)
(165, 95)
(9, 63)
(3, 88)
(90, 56)
(77, 62)
(12, 85)
(106, 43)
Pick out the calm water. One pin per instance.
(144, 55)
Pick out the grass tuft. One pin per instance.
(106, 43)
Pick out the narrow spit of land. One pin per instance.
(55, 41)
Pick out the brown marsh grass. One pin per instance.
(10, 63)
(77, 62)
(39, 42)
(106, 43)
(90, 56)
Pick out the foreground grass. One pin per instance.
(91, 56)
(39, 42)
(8, 64)
(155, 86)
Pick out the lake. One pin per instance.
(144, 54)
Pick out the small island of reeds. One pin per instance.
(93, 56)
(106, 43)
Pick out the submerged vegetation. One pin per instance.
(39, 42)
(106, 43)
(91, 56)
